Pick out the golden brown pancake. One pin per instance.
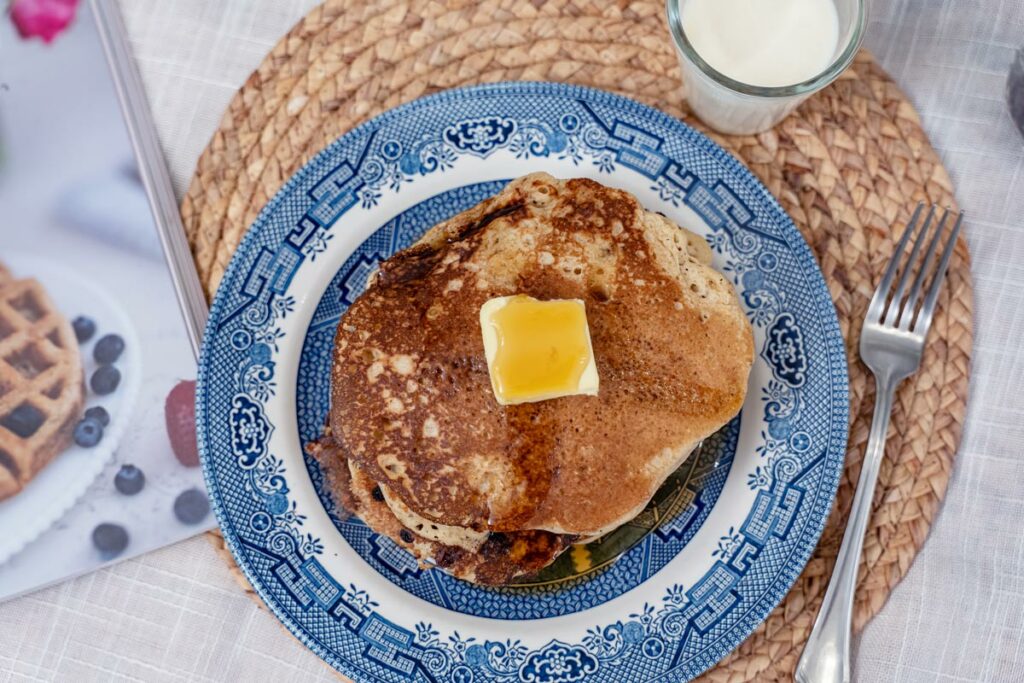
(490, 558)
(412, 404)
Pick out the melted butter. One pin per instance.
(537, 350)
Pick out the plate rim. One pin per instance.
(834, 343)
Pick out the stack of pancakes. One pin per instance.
(416, 444)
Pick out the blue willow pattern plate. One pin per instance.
(705, 563)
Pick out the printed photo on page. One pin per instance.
(98, 457)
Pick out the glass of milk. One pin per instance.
(747, 63)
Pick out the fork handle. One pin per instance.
(826, 657)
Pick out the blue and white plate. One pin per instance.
(710, 563)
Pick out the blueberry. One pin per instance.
(24, 420)
(108, 349)
(191, 506)
(100, 414)
(110, 539)
(88, 432)
(129, 480)
(105, 379)
(84, 328)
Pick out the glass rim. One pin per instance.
(812, 84)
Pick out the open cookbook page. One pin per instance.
(98, 456)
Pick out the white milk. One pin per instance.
(767, 43)
(763, 42)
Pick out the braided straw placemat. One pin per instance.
(847, 166)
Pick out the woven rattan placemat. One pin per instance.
(847, 166)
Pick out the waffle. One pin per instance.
(42, 388)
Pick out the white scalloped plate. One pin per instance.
(53, 491)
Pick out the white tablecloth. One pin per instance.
(176, 614)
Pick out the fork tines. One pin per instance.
(895, 307)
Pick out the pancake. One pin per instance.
(486, 558)
(412, 404)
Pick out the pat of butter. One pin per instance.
(537, 350)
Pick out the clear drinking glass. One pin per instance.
(729, 106)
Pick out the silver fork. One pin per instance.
(891, 344)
